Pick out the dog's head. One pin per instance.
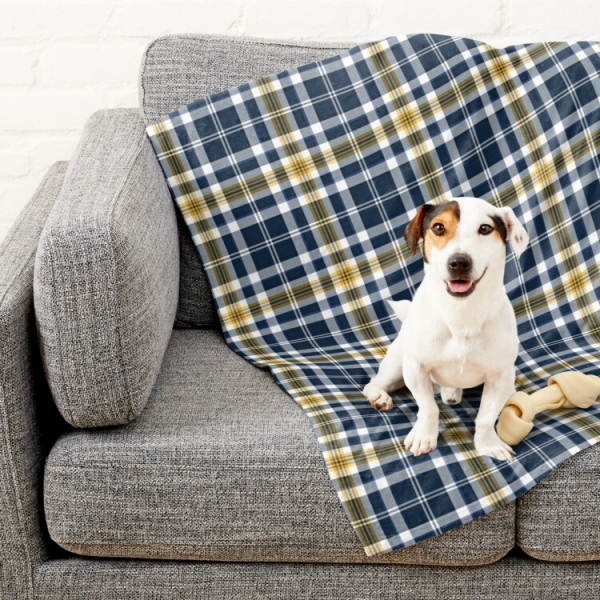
(464, 240)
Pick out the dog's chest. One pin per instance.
(459, 362)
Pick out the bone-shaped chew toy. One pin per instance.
(570, 389)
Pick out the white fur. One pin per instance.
(457, 343)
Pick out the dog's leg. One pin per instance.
(388, 378)
(451, 396)
(422, 438)
(496, 392)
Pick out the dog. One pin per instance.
(460, 330)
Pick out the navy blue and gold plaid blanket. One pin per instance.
(297, 188)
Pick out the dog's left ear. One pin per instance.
(414, 230)
(516, 234)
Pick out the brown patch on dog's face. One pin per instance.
(440, 227)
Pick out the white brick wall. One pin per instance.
(61, 60)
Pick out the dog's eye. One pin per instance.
(438, 229)
(486, 229)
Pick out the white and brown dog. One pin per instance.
(460, 330)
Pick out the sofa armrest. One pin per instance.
(106, 279)
(25, 403)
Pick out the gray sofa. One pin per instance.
(204, 479)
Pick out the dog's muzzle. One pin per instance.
(460, 283)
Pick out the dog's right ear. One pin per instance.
(516, 234)
(414, 230)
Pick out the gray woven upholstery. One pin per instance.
(24, 399)
(509, 579)
(221, 465)
(559, 519)
(179, 69)
(107, 274)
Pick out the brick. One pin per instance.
(49, 110)
(17, 65)
(50, 149)
(106, 63)
(125, 97)
(152, 19)
(4, 228)
(540, 20)
(13, 164)
(45, 18)
(335, 20)
(15, 194)
(469, 18)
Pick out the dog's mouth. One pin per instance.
(461, 288)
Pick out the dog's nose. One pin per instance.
(460, 265)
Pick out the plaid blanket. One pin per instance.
(297, 188)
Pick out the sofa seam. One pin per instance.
(61, 378)
(496, 556)
(141, 88)
(68, 409)
(15, 488)
(533, 550)
(292, 42)
(65, 410)
(137, 153)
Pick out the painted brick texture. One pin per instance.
(60, 60)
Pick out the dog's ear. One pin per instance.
(414, 230)
(516, 234)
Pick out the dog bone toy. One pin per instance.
(570, 389)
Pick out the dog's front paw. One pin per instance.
(378, 398)
(422, 438)
(489, 444)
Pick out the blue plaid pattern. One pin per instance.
(297, 188)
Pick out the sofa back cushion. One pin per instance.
(177, 70)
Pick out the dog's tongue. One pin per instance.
(458, 286)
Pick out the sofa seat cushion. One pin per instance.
(559, 519)
(221, 465)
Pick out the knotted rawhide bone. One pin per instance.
(570, 389)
